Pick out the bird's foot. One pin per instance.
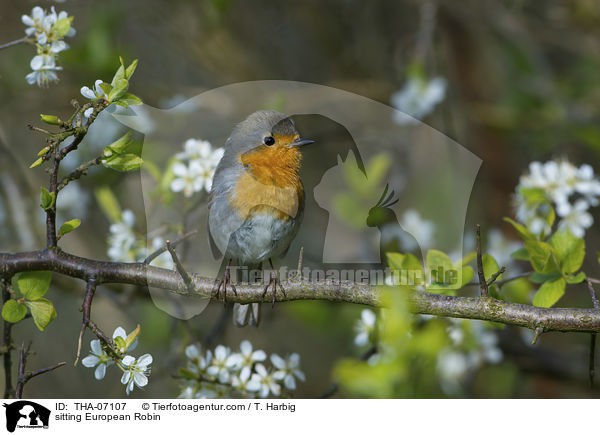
(274, 283)
(223, 283)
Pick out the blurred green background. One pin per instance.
(522, 85)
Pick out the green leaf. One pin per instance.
(467, 259)
(124, 162)
(549, 293)
(106, 88)
(394, 260)
(47, 199)
(69, 226)
(130, 100)
(120, 344)
(467, 275)
(131, 69)
(540, 278)
(62, 26)
(438, 263)
(50, 119)
(133, 336)
(119, 89)
(542, 256)
(570, 251)
(108, 203)
(37, 163)
(523, 232)
(13, 311)
(120, 74)
(576, 279)
(119, 146)
(43, 151)
(521, 254)
(43, 312)
(490, 266)
(34, 285)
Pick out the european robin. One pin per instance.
(257, 199)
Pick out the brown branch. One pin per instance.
(86, 308)
(482, 282)
(7, 344)
(23, 376)
(78, 172)
(550, 319)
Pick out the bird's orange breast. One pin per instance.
(270, 183)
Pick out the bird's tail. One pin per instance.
(247, 314)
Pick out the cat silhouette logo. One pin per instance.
(26, 414)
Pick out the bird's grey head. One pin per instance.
(255, 130)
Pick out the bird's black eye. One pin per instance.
(269, 140)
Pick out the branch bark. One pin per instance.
(535, 318)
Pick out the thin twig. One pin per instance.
(482, 282)
(592, 356)
(86, 308)
(21, 369)
(537, 332)
(78, 173)
(174, 243)
(7, 344)
(300, 255)
(495, 276)
(23, 376)
(13, 43)
(184, 275)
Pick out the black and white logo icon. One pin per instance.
(26, 414)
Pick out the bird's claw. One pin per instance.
(222, 283)
(274, 282)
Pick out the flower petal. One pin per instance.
(140, 379)
(145, 360)
(128, 360)
(277, 361)
(88, 93)
(90, 361)
(246, 347)
(100, 372)
(96, 348)
(119, 332)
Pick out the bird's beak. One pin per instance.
(301, 142)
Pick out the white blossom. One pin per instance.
(221, 365)
(417, 99)
(44, 70)
(122, 242)
(577, 219)
(241, 380)
(94, 94)
(288, 370)
(263, 382)
(41, 26)
(247, 356)
(135, 371)
(560, 184)
(98, 359)
(364, 327)
(195, 167)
